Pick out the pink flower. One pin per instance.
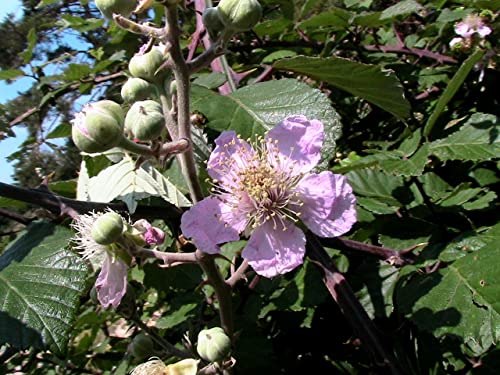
(263, 190)
(150, 234)
(470, 25)
(111, 284)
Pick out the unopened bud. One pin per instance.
(98, 127)
(145, 120)
(145, 65)
(239, 15)
(142, 346)
(122, 7)
(212, 21)
(213, 344)
(136, 89)
(108, 228)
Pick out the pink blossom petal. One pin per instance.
(273, 252)
(456, 41)
(317, 193)
(299, 141)
(230, 155)
(484, 31)
(463, 29)
(203, 224)
(111, 284)
(342, 215)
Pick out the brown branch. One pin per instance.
(99, 79)
(15, 216)
(350, 306)
(59, 205)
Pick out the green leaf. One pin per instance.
(460, 300)
(210, 81)
(378, 287)
(254, 109)
(27, 54)
(401, 8)
(174, 318)
(336, 18)
(451, 89)
(10, 74)
(412, 166)
(370, 82)
(11, 203)
(44, 3)
(65, 188)
(123, 181)
(371, 183)
(40, 285)
(62, 130)
(75, 72)
(477, 139)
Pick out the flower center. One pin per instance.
(263, 186)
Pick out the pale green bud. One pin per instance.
(98, 127)
(213, 344)
(212, 21)
(239, 15)
(142, 346)
(145, 120)
(108, 228)
(136, 89)
(122, 7)
(145, 65)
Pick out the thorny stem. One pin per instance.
(350, 306)
(392, 256)
(221, 288)
(181, 73)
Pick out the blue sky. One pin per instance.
(7, 92)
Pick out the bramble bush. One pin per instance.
(262, 187)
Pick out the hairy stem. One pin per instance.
(181, 73)
(222, 290)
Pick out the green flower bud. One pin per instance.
(212, 21)
(240, 15)
(145, 65)
(142, 346)
(108, 228)
(213, 344)
(108, 7)
(136, 89)
(145, 120)
(98, 127)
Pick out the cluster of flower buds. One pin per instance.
(103, 125)
(231, 16)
